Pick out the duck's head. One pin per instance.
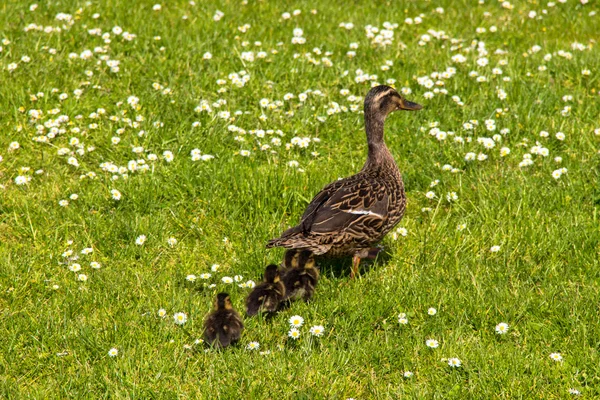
(272, 274)
(382, 100)
(223, 302)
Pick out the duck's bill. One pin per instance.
(410, 106)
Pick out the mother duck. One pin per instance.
(349, 216)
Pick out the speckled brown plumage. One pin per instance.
(349, 216)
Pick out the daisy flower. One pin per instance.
(294, 333)
(402, 319)
(431, 311)
(74, 267)
(408, 374)
(317, 330)
(180, 318)
(162, 313)
(502, 328)
(190, 278)
(116, 195)
(454, 362)
(495, 249)
(113, 352)
(140, 240)
(253, 346)
(432, 343)
(556, 357)
(296, 321)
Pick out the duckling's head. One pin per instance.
(272, 274)
(223, 302)
(382, 100)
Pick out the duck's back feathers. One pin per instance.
(351, 210)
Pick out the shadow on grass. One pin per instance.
(341, 267)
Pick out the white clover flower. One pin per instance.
(180, 318)
(502, 328)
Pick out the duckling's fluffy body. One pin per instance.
(301, 277)
(224, 325)
(266, 296)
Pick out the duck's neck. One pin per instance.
(378, 151)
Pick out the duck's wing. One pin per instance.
(347, 205)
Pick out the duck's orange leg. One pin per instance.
(355, 264)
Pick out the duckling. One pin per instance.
(267, 295)
(224, 325)
(300, 279)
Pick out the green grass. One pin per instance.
(544, 282)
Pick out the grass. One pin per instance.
(544, 282)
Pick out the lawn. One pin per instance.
(149, 152)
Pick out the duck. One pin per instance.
(350, 216)
(224, 325)
(301, 276)
(266, 296)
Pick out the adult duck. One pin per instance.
(349, 216)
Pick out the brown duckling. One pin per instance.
(300, 279)
(266, 296)
(224, 325)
